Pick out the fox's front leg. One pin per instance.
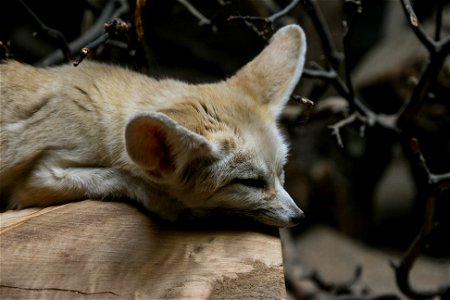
(55, 185)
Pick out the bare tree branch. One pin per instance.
(113, 9)
(360, 110)
(271, 19)
(433, 179)
(138, 23)
(114, 28)
(334, 57)
(438, 51)
(403, 269)
(438, 27)
(202, 20)
(330, 50)
(336, 128)
(284, 11)
(337, 288)
(433, 46)
(330, 75)
(51, 33)
(302, 100)
(5, 51)
(223, 2)
(353, 9)
(263, 26)
(414, 22)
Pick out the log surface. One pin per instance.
(105, 250)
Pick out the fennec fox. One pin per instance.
(99, 131)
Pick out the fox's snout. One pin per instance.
(294, 217)
(294, 214)
(283, 218)
(295, 220)
(285, 213)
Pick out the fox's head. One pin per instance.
(217, 146)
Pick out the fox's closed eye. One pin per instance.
(251, 182)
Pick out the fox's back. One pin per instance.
(55, 112)
(41, 109)
(75, 115)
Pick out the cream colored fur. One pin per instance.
(99, 131)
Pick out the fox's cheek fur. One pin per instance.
(271, 206)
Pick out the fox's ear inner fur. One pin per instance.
(162, 146)
(274, 73)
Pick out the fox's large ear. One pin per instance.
(161, 146)
(274, 73)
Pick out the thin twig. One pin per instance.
(330, 50)
(302, 100)
(439, 12)
(319, 74)
(260, 25)
(337, 288)
(5, 51)
(370, 119)
(331, 75)
(345, 89)
(50, 32)
(263, 26)
(336, 128)
(114, 28)
(431, 45)
(433, 179)
(414, 22)
(138, 22)
(202, 20)
(438, 51)
(403, 269)
(353, 9)
(269, 19)
(113, 9)
(223, 2)
(361, 112)
(284, 11)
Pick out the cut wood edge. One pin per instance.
(106, 250)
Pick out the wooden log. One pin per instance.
(108, 250)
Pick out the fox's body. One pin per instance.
(98, 131)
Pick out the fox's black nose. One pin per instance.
(298, 218)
